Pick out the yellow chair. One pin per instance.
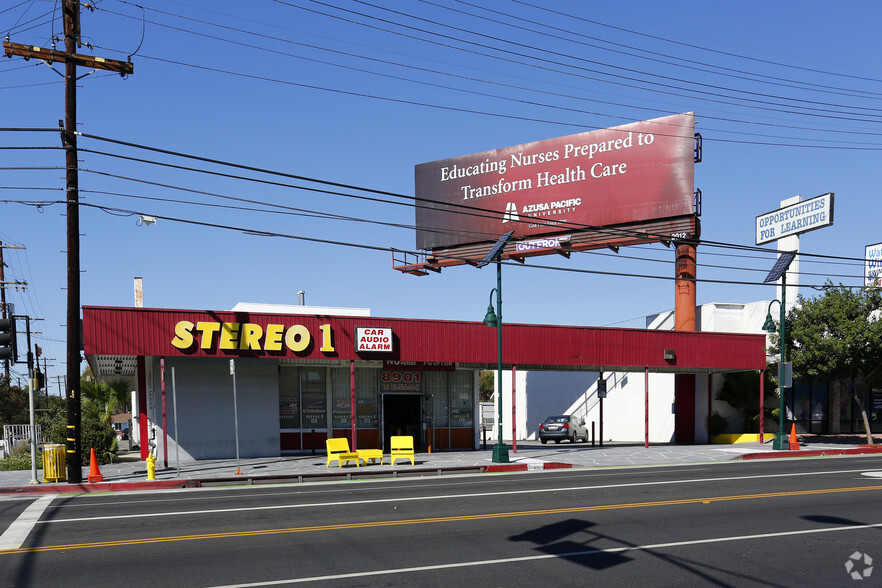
(339, 449)
(401, 448)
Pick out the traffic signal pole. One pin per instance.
(4, 312)
(33, 412)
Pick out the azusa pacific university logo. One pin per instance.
(511, 213)
(853, 563)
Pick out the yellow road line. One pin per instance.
(451, 519)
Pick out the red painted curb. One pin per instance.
(521, 467)
(512, 467)
(812, 452)
(62, 488)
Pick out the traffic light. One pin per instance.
(8, 343)
(39, 380)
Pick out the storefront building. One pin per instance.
(214, 384)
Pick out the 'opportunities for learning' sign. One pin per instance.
(808, 215)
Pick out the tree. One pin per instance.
(837, 337)
(486, 385)
(103, 399)
(14, 405)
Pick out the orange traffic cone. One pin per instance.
(94, 473)
(794, 444)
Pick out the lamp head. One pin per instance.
(490, 318)
(769, 325)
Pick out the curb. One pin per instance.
(239, 480)
(811, 453)
(523, 467)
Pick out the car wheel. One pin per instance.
(544, 441)
(573, 438)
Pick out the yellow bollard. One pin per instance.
(151, 467)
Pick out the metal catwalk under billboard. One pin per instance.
(637, 172)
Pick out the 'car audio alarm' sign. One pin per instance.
(373, 339)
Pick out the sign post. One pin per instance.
(235, 414)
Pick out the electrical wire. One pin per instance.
(264, 233)
(861, 145)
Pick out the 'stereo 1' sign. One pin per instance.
(873, 265)
(636, 172)
(808, 215)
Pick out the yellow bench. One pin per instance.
(372, 454)
(401, 448)
(339, 449)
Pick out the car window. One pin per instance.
(557, 419)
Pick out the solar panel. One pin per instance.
(784, 261)
(495, 250)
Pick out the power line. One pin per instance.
(263, 233)
(723, 119)
(409, 199)
(465, 78)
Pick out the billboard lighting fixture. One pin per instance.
(613, 248)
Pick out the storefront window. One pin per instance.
(462, 399)
(875, 410)
(289, 398)
(341, 398)
(436, 392)
(366, 398)
(820, 394)
(801, 399)
(313, 394)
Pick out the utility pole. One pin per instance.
(70, 58)
(4, 313)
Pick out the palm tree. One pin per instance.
(102, 399)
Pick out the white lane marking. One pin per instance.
(872, 474)
(509, 560)
(435, 497)
(14, 536)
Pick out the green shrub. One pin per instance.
(20, 458)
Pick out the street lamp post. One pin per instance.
(781, 441)
(494, 319)
(779, 271)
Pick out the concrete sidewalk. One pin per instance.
(131, 473)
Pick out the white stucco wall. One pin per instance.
(541, 394)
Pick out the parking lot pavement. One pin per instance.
(130, 473)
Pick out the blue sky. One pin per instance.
(786, 97)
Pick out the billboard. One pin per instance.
(873, 265)
(637, 172)
(808, 215)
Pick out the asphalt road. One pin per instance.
(765, 523)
